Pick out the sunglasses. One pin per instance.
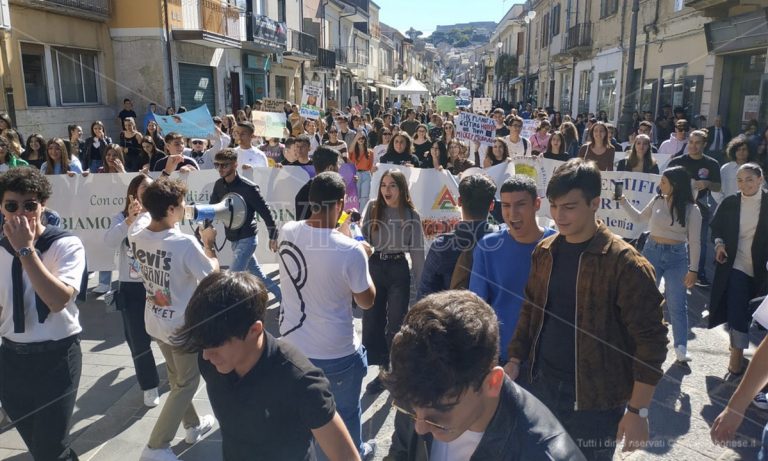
(197, 142)
(386, 134)
(220, 165)
(29, 206)
(414, 418)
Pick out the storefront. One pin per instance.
(742, 60)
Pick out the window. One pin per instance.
(545, 30)
(606, 93)
(672, 85)
(565, 92)
(281, 87)
(608, 7)
(585, 82)
(556, 20)
(281, 10)
(520, 43)
(648, 96)
(33, 68)
(75, 73)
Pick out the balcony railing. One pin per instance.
(579, 36)
(361, 5)
(352, 56)
(98, 9)
(326, 59)
(212, 16)
(301, 43)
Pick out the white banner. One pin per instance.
(481, 105)
(88, 204)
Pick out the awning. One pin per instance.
(384, 86)
(515, 80)
(372, 88)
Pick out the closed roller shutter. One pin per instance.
(197, 87)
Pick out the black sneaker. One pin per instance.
(375, 386)
(702, 282)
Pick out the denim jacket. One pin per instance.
(521, 429)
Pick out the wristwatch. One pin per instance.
(26, 251)
(641, 412)
(719, 241)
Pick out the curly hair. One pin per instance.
(162, 194)
(25, 180)
(449, 342)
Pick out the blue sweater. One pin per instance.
(499, 274)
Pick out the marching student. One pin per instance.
(40, 357)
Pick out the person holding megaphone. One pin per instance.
(244, 239)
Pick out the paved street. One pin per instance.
(112, 424)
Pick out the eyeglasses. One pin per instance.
(415, 418)
(29, 206)
(197, 142)
(386, 134)
(516, 125)
(220, 165)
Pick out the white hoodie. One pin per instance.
(673, 145)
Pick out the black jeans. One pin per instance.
(131, 300)
(594, 431)
(381, 322)
(38, 391)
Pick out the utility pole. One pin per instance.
(625, 121)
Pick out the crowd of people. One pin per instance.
(493, 341)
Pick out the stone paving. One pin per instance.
(111, 423)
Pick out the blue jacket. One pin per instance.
(445, 251)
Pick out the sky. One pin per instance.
(425, 15)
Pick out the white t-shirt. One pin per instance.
(320, 269)
(460, 449)
(518, 148)
(251, 156)
(379, 152)
(65, 259)
(171, 264)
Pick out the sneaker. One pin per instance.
(702, 282)
(158, 454)
(375, 386)
(682, 354)
(151, 398)
(194, 434)
(369, 450)
(101, 289)
(760, 401)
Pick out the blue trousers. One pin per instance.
(671, 263)
(244, 251)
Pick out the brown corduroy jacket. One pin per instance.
(620, 337)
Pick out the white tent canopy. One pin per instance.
(410, 86)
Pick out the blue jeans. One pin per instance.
(244, 259)
(671, 263)
(94, 166)
(363, 188)
(105, 278)
(346, 377)
(737, 297)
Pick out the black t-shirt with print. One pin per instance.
(704, 168)
(269, 413)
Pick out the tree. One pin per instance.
(413, 33)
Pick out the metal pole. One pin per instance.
(625, 122)
(526, 90)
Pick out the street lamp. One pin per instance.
(528, 18)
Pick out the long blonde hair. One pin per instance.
(63, 161)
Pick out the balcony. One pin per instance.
(579, 37)
(712, 8)
(352, 57)
(326, 59)
(360, 12)
(300, 45)
(90, 9)
(210, 23)
(268, 33)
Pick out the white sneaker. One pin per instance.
(682, 354)
(158, 454)
(369, 450)
(151, 398)
(760, 401)
(101, 289)
(194, 434)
